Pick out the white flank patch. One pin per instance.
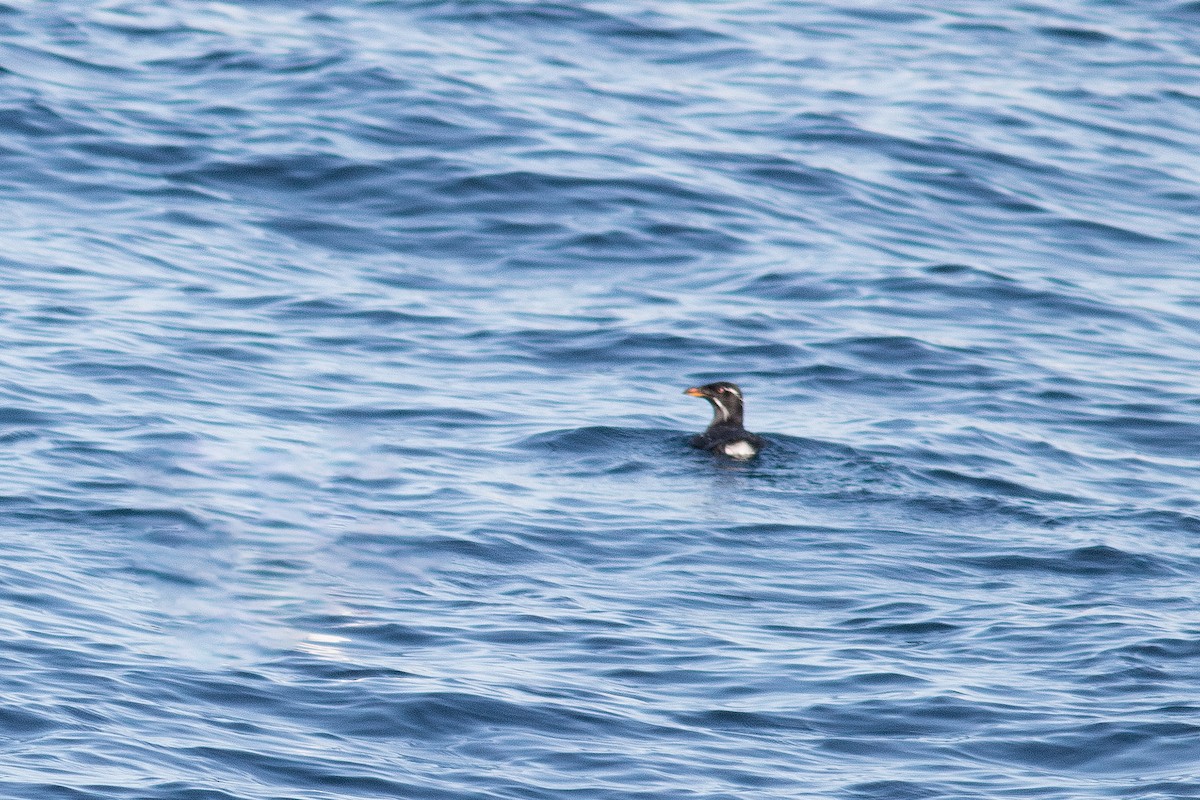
(742, 449)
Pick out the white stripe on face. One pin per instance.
(720, 405)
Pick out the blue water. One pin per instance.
(344, 448)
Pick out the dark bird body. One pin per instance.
(725, 433)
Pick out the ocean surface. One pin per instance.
(344, 449)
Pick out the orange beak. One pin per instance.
(694, 392)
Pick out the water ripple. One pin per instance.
(345, 450)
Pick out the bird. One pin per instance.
(725, 433)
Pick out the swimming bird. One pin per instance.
(725, 433)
